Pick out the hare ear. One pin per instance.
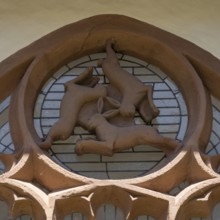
(113, 102)
(100, 105)
(110, 113)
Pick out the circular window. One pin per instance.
(171, 122)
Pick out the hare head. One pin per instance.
(127, 110)
(99, 118)
(94, 121)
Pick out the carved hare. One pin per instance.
(79, 91)
(135, 95)
(111, 138)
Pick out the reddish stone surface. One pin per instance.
(33, 184)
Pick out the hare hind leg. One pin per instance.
(170, 145)
(61, 130)
(167, 145)
(149, 135)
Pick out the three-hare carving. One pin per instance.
(78, 107)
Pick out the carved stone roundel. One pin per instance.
(172, 121)
(110, 110)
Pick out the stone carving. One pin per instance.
(78, 91)
(114, 138)
(132, 95)
(35, 185)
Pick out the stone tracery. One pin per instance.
(33, 180)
